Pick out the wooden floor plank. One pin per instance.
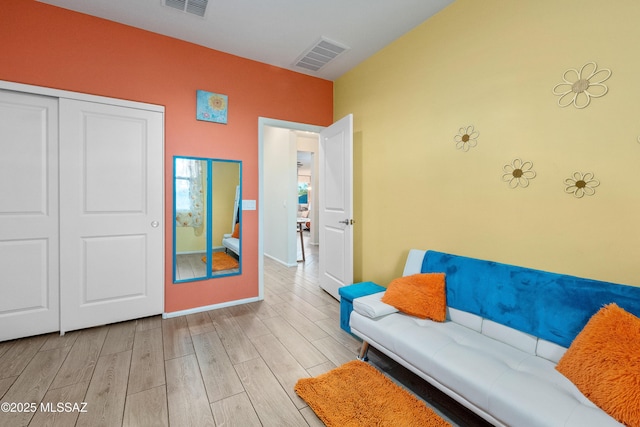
(235, 342)
(176, 337)
(150, 322)
(219, 377)
(56, 340)
(147, 408)
(284, 366)
(311, 418)
(107, 391)
(6, 345)
(334, 351)
(18, 354)
(303, 307)
(147, 361)
(305, 353)
(251, 325)
(272, 298)
(321, 369)
(72, 394)
(188, 404)
(303, 325)
(199, 323)
(262, 309)
(5, 383)
(82, 358)
(32, 385)
(271, 402)
(119, 338)
(330, 309)
(332, 328)
(235, 411)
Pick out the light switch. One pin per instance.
(248, 205)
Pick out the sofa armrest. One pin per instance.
(372, 307)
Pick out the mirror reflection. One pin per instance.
(207, 226)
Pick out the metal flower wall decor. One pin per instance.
(466, 138)
(518, 173)
(581, 184)
(579, 86)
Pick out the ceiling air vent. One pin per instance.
(194, 7)
(320, 54)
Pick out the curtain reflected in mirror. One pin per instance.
(207, 226)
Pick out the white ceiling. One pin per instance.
(275, 32)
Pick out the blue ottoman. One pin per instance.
(348, 294)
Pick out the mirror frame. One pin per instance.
(208, 220)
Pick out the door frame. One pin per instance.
(262, 122)
(60, 93)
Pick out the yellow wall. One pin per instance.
(493, 64)
(226, 177)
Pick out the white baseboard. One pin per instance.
(209, 307)
(280, 261)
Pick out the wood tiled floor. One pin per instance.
(235, 366)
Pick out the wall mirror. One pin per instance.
(207, 228)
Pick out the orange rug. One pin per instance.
(221, 261)
(357, 394)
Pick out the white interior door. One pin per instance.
(335, 261)
(111, 213)
(29, 302)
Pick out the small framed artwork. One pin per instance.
(211, 107)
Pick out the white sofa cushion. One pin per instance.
(513, 337)
(481, 372)
(469, 320)
(535, 394)
(549, 350)
(371, 306)
(232, 243)
(466, 361)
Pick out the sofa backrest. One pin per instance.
(551, 306)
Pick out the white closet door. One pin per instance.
(29, 302)
(111, 213)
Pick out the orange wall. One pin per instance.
(53, 47)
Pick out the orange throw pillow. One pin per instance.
(604, 363)
(420, 295)
(236, 231)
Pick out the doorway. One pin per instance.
(287, 202)
(335, 156)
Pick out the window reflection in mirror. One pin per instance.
(207, 225)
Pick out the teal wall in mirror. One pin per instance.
(207, 218)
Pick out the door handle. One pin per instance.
(346, 221)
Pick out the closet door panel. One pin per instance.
(29, 297)
(112, 243)
(115, 149)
